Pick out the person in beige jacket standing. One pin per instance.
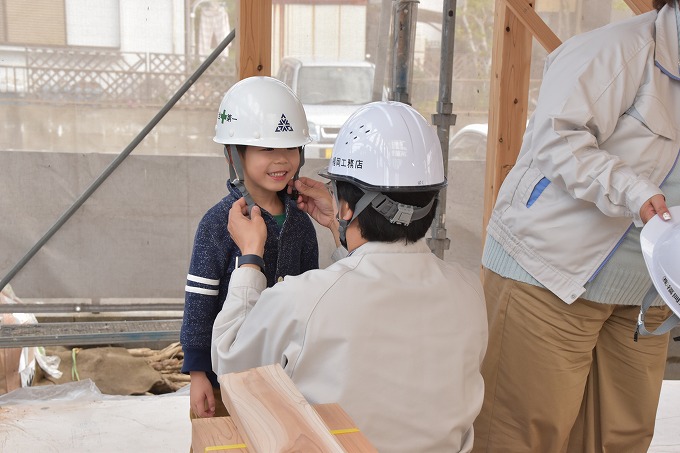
(564, 274)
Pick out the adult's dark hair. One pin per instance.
(658, 4)
(375, 227)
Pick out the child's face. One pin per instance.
(270, 169)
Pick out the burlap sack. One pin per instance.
(114, 370)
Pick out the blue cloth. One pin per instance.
(289, 250)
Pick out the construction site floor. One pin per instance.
(77, 418)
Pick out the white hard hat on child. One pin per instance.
(660, 243)
(387, 146)
(261, 111)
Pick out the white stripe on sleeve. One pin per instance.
(197, 290)
(205, 281)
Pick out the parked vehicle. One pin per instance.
(330, 92)
(469, 143)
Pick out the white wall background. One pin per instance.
(93, 23)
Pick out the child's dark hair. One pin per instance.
(375, 227)
(658, 4)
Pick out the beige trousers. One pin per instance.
(566, 378)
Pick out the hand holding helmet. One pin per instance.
(660, 243)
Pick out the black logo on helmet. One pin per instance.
(284, 125)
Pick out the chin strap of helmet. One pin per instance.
(236, 169)
(666, 326)
(401, 214)
(294, 193)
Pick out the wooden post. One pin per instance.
(510, 65)
(255, 38)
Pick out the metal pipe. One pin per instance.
(121, 157)
(405, 16)
(381, 51)
(88, 308)
(444, 119)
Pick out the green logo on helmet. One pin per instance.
(224, 116)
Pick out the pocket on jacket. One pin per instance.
(530, 187)
(538, 190)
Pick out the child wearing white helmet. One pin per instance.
(392, 333)
(263, 128)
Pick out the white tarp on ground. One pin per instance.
(77, 418)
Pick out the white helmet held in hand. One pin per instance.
(660, 243)
(261, 111)
(388, 146)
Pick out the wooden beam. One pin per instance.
(510, 65)
(216, 434)
(524, 11)
(639, 6)
(344, 429)
(220, 433)
(255, 38)
(271, 414)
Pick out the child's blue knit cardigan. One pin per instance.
(289, 250)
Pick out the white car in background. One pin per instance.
(469, 143)
(330, 92)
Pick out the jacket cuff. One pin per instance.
(196, 360)
(642, 191)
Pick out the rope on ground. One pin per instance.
(168, 362)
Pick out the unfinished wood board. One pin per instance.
(220, 433)
(216, 434)
(272, 415)
(343, 428)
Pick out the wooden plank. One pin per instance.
(640, 6)
(220, 433)
(343, 428)
(88, 333)
(216, 434)
(524, 11)
(255, 38)
(271, 414)
(510, 66)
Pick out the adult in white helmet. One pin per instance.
(376, 331)
(263, 127)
